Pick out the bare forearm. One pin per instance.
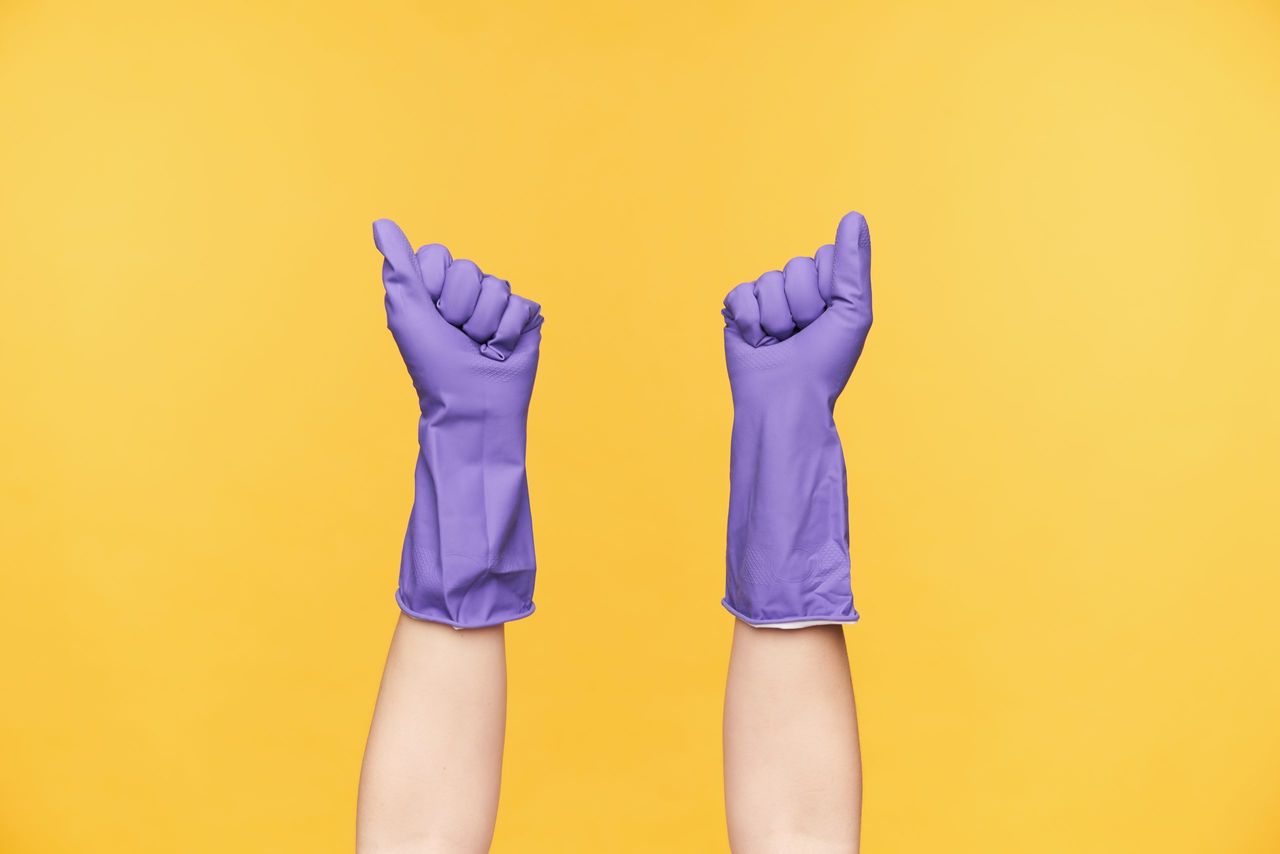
(433, 762)
(793, 777)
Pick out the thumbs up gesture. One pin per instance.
(814, 316)
(791, 340)
(466, 339)
(471, 347)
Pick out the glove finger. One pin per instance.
(775, 316)
(742, 310)
(822, 260)
(433, 261)
(494, 294)
(519, 316)
(851, 265)
(460, 292)
(400, 274)
(800, 284)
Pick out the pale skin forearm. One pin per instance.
(792, 765)
(433, 762)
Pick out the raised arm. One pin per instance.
(792, 763)
(433, 762)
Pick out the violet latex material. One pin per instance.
(791, 340)
(471, 347)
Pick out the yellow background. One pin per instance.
(1062, 439)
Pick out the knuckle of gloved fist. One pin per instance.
(490, 306)
(740, 293)
(802, 292)
(531, 311)
(516, 328)
(433, 260)
(460, 292)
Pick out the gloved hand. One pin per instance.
(471, 347)
(791, 340)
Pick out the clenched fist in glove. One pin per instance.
(791, 340)
(471, 347)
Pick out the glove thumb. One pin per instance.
(851, 270)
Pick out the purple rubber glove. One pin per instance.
(791, 339)
(471, 347)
